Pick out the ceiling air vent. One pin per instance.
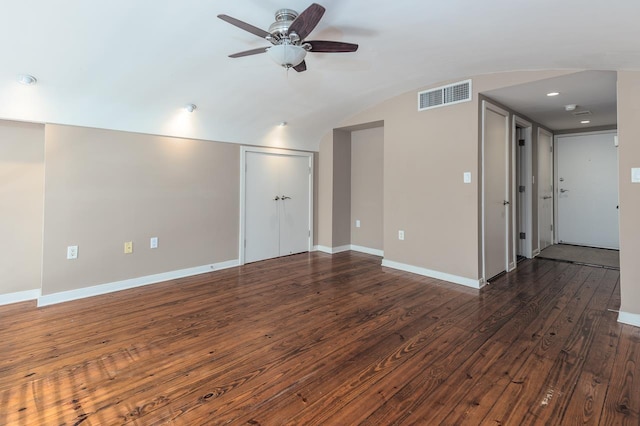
(581, 113)
(445, 95)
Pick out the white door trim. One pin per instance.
(487, 105)
(243, 163)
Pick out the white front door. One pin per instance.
(545, 189)
(587, 190)
(496, 199)
(277, 204)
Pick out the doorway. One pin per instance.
(276, 203)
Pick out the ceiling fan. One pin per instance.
(287, 36)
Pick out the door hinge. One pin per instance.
(309, 169)
(521, 142)
(523, 236)
(551, 226)
(521, 188)
(245, 243)
(309, 232)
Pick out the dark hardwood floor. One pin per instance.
(334, 340)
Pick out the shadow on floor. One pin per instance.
(605, 258)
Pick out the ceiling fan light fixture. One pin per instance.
(287, 55)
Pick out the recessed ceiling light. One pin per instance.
(27, 80)
(585, 122)
(570, 107)
(553, 94)
(190, 107)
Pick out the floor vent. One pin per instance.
(445, 95)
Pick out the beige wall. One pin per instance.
(425, 156)
(366, 187)
(21, 205)
(629, 193)
(341, 234)
(324, 218)
(107, 187)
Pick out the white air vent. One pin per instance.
(580, 113)
(445, 95)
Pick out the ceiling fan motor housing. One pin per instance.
(284, 18)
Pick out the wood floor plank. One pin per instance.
(321, 339)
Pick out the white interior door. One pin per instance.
(496, 199)
(262, 227)
(545, 189)
(587, 195)
(277, 204)
(294, 205)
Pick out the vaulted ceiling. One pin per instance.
(133, 64)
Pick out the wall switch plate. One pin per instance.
(357, 224)
(72, 252)
(635, 175)
(466, 177)
(153, 242)
(128, 247)
(401, 235)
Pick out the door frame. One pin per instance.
(527, 173)
(554, 165)
(509, 179)
(556, 184)
(243, 174)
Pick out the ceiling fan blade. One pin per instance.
(307, 20)
(302, 66)
(321, 46)
(243, 25)
(249, 52)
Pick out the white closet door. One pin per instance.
(262, 228)
(496, 189)
(277, 204)
(294, 205)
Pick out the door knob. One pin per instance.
(563, 190)
(546, 197)
(504, 203)
(276, 199)
(284, 197)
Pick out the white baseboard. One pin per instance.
(535, 253)
(367, 250)
(340, 249)
(19, 296)
(332, 250)
(81, 293)
(629, 318)
(468, 282)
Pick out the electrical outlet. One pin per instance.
(153, 242)
(72, 252)
(357, 224)
(401, 235)
(128, 247)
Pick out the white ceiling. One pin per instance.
(592, 91)
(132, 64)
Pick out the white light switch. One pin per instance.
(635, 175)
(466, 177)
(401, 235)
(357, 223)
(153, 242)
